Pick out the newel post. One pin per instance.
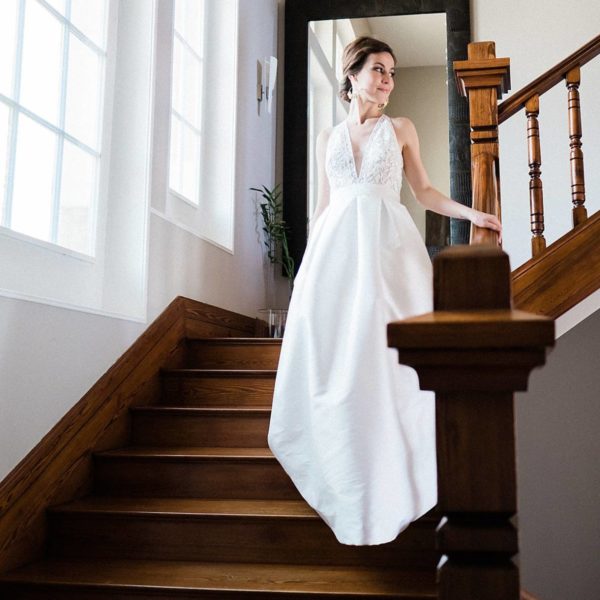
(483, 79)
(474, 351)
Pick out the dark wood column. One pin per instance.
(483, 79)
(474, 351)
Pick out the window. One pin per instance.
(197, 44)
(326, 41)
(186, 99)
(52, 68)
(75, 147)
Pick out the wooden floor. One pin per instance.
(197, 506)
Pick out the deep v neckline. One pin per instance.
(358, 173)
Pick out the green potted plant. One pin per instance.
(274, 231)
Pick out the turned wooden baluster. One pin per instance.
(536, 191)
(573, 79)
(474, 352)
(483, 78)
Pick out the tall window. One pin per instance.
(186, 99)
(52, 68)
(326, 41)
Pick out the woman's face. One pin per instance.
(376, 78)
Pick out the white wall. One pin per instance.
(50, 356)
(420, 93)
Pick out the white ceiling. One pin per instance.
(417, 40)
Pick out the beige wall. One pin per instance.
(420, 93)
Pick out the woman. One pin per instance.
(349, 424)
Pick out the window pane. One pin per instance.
(4, 115)
(78, 183)
(177, 77)
(339, 51)
(185, 161)
(192, 72)
(58, 5)
(187, 84)
(8, 41)
(189, 16)
(89, 16)
(83, 90)
(33, 195)
(42, 62)
(175, 153)
(324, 33)
(190, 165)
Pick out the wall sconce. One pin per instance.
(265, 80)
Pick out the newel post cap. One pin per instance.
(473, 340)
(482, 69)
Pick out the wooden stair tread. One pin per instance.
(176, 575)
(235, 341)
(297, 509)
(188, 507)
(267, 373)
(188, 452)
(224, 411)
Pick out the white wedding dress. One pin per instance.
(349, 423)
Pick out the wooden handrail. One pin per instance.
(482, 79)
(549, 79)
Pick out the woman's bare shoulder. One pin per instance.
(403, 124)
(405, 130)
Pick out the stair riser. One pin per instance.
(161, 429)
(74, 592)
(210, 356)
(218, 391)
(227, 479)
(231, 539)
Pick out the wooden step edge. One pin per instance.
(185, 577)
(234, 341)
(232, 373)
(188, 453)
(202, 411)
(201, 508)
(183, 508)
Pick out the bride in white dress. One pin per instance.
(349, 424)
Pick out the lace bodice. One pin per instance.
(382, 160)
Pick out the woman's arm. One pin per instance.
(421, 187)
(322, 180)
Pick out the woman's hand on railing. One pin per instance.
(486, 221)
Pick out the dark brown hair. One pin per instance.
(355, 56)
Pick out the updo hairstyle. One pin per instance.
(354, 57)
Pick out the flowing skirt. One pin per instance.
(349, 424)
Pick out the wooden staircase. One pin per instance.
(558, 276)
(196, 506)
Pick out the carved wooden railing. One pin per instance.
(483, 78)
(474, 352)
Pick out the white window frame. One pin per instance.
(17, 109)
(197, 128)
(115, 282)
(213, 218)
(323, 113)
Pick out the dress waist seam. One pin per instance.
(371, 189)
